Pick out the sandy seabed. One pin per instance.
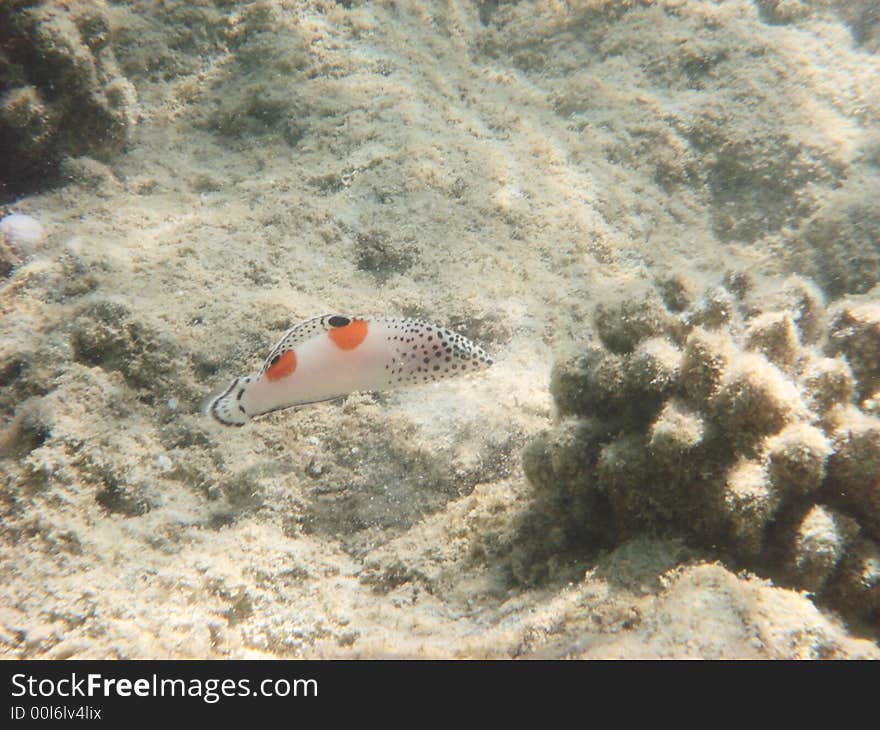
(500, 168)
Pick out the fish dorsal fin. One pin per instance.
(304, 331)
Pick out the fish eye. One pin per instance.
(338, 321)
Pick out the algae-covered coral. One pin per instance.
(747, 423)
(61, 92)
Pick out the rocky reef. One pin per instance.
(61, 93)
(20, 237)
(746, 421)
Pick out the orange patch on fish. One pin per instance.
(283, 366)
(350, 336)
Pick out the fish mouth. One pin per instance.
(211, 406)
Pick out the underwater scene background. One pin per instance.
(660, 219)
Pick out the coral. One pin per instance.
(715, 310)
(675, 434)
(854, 470)
(754, 400)
(676, 292)
(589, 383)
(855, 332)
(654, 367)
(624, 472)
(732, 424)
(818, 544)
(748, 504)
(856, 585)
(623, 326)
(804, 303)
(872, 405)
(61, 93)
(796, 459)
(828, 382)
(774, 334)
(706, 356)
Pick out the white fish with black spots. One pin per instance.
(333, 355)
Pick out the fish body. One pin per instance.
(333, 355)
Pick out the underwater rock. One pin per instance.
(758, 177)
(61, 93)
(107, 334)
(783, 11)
(745, 440)
(30, 429)
(20, 237)
(164, 42)
(863, 17)
(738, 283)
(837, 244)
(382, 256)
(131, 495)
(263, 95)
(90, 174)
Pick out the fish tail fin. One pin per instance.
(227, 408)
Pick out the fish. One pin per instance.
(333, 355)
